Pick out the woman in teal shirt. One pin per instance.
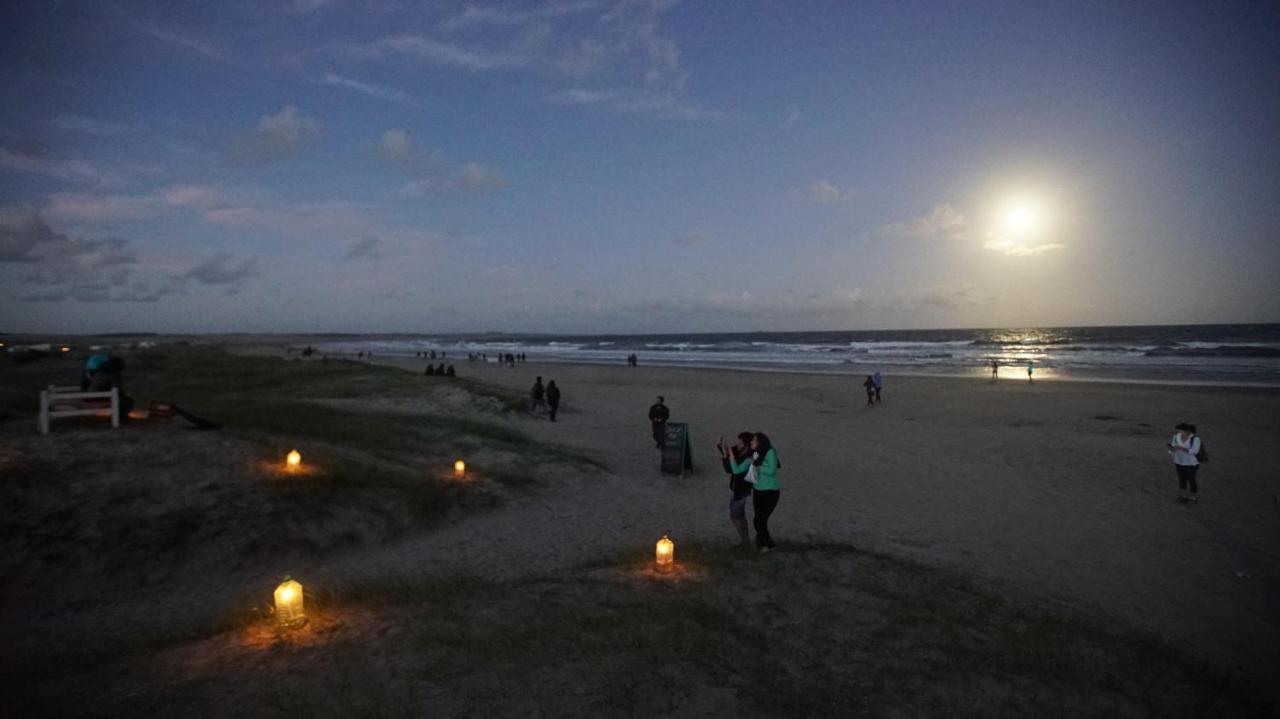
(764, 461)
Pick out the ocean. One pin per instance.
(1182, 354)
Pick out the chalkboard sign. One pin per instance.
(677, 455)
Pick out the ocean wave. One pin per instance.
(1207, 350)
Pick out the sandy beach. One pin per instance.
(1056, 493)
(1058, 489)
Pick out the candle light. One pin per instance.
(290, 613)
(293, 460)
(665, 552)
(459, 468)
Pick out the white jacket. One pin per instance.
(1184, 453)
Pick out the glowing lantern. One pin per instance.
(293, 460)
(459, 468)
(289, 611)
(665, 553)
(66, 348)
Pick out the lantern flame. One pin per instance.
(665, 552)
(459, 468)
(293, 460)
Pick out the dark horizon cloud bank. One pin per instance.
(615, 166)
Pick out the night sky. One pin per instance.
(636, 166)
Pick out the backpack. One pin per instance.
(1203, 455)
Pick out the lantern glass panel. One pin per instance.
(289, 608)
(665, 552)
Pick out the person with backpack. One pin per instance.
(1188, 453)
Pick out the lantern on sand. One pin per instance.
(665, 553)
(65, 349)
(459, 468)
(289, 611)
(293, 460)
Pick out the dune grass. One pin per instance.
(817, 629)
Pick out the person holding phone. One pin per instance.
(739, 488)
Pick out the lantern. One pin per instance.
(289, 611)
(665, 553)
(66, 348)
(459, 468)
(293, 460)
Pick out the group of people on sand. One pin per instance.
(544, 398)
(873, 384)
(440, 371)
(752, 465)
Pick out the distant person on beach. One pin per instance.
(1031, 368)
(449, 371)
(762, 473)
(91, 367)
(995, 369)
(1185, 448)
(879, 384)
(658, 416)
(536, 394)
(739, 488)
(431, 371)
(440, 369)
(553, 399)
(870, 385)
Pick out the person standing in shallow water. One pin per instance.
(658, 416)
(1184, 448)
(739, 488)
(553, 399)
(762, 472)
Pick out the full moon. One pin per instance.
(1021, 217)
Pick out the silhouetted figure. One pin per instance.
(536, 401)
(870, 386)
(1031, 368)
(431, 371)
(658, 416)
(433, 354)
(449, 372)
(553, 398)
(109, 375)
(440, 370)
(879, 385)
(995, 369)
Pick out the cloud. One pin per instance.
(619, 46)
(470, 178)
(367, 248)
(38, 164)
(188, 42)
(943, 221)
(277, 137)
(90, 126)
(223, 269)
(87, 208)
(381, 92)
(824, 192)
(22, 230)
(1018, 248)
(395, 146)
(474, 16)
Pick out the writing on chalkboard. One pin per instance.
(677, 453)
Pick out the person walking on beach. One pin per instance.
(762, 472)
(870, 386)
(995, 369)
(535, 396)
(553, 399)
(1031, 368)
(879, 384)
(658, 415)
(1185, 448)
(739, 488)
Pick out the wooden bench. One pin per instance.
(58, 402)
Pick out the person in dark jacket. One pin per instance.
(553, 398)
(535, 396)
(658, 416)
(739, 488)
